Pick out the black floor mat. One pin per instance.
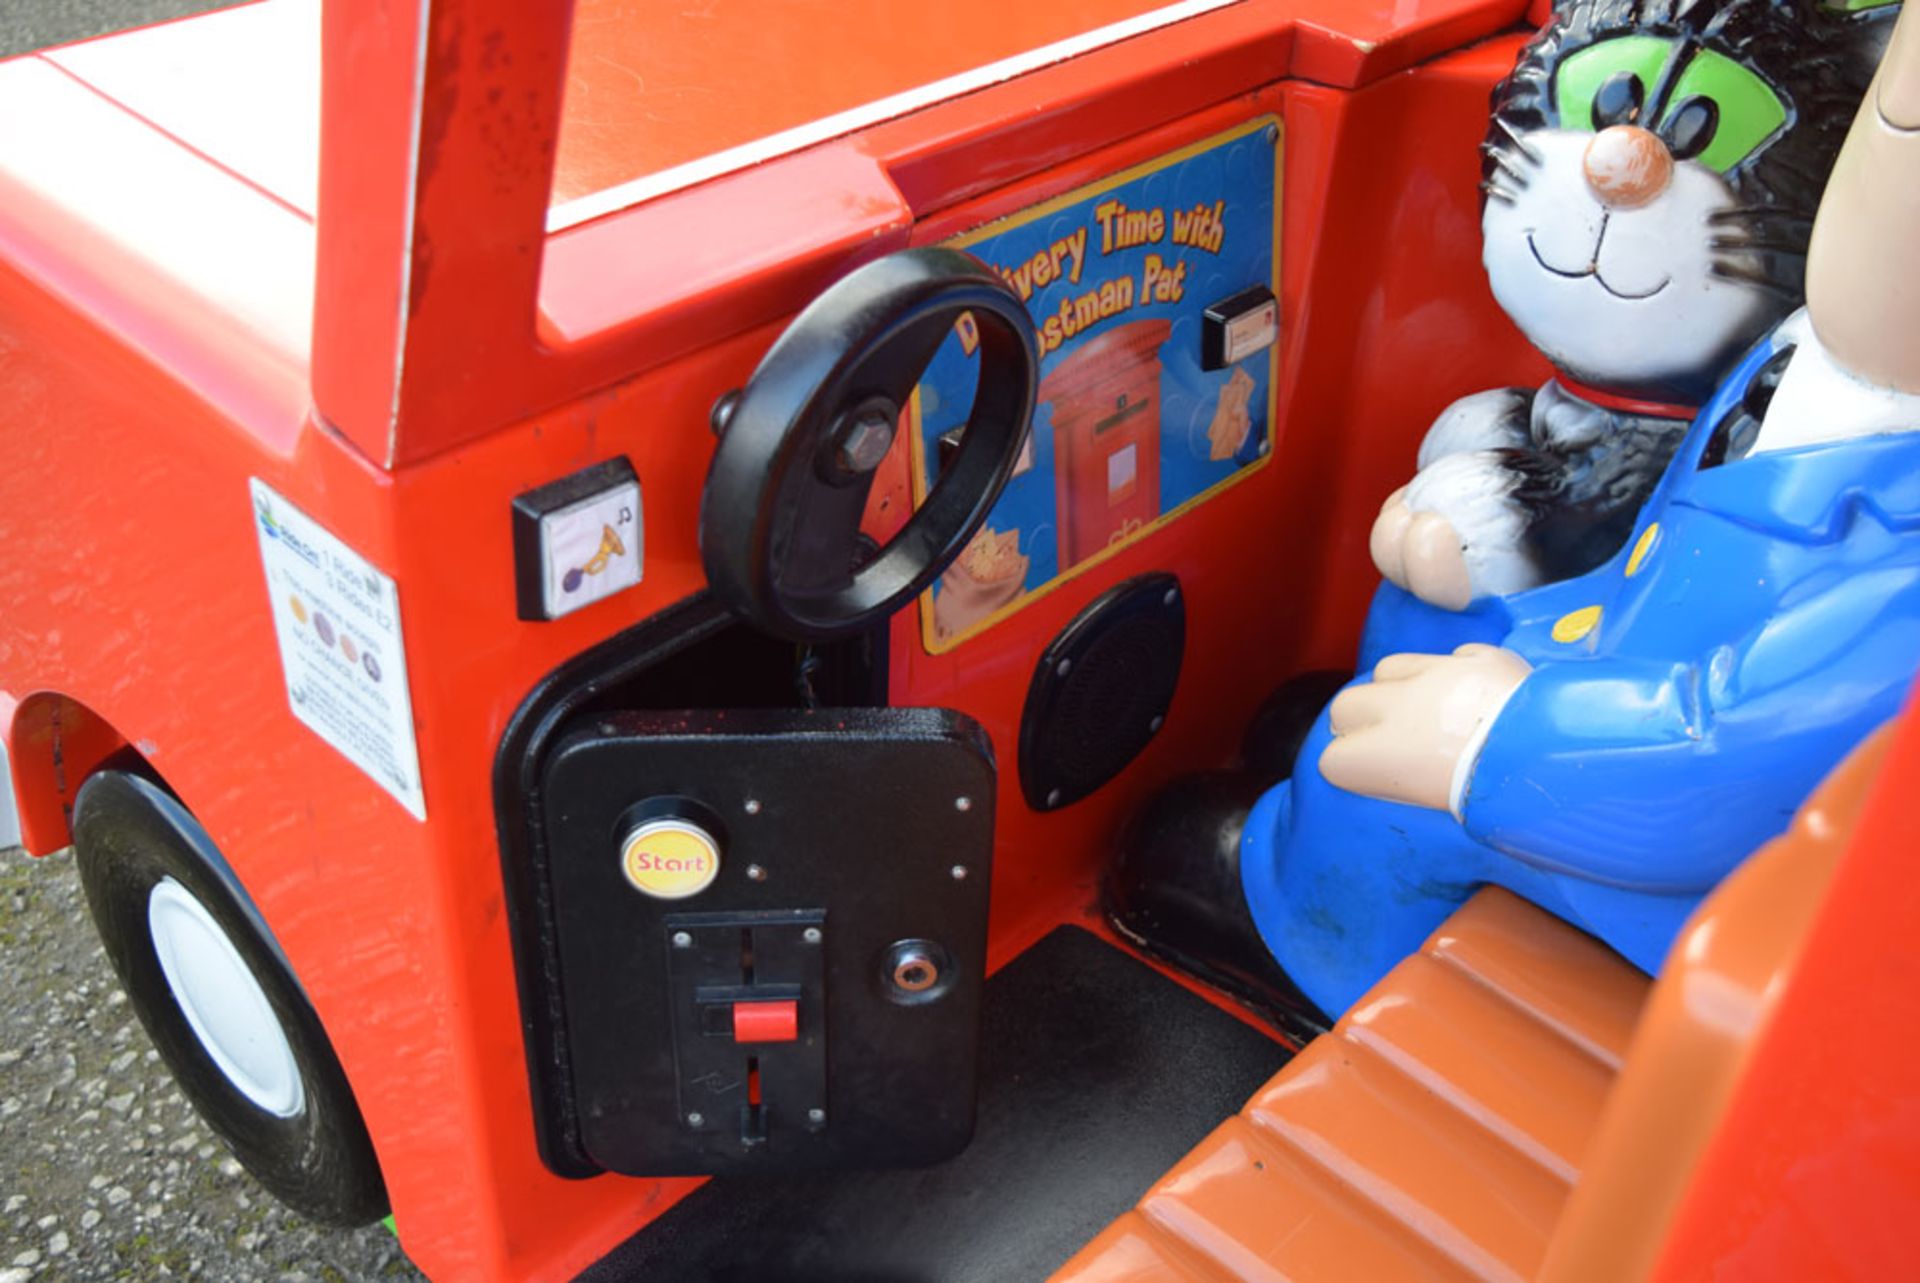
(1097, 1074)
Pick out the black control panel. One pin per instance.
(770, 934)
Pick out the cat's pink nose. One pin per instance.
(1627, 166)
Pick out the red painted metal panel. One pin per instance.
(645, 77)
(181, 260)
(53, 744)
(239, 86)
(746, 247)
(1349, 44)
(1815, 1169)
(369, 108)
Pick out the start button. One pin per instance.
(670, 859)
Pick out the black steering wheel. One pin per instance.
(780, 518)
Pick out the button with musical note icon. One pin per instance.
(577, 540)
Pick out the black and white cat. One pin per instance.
(1652, 169)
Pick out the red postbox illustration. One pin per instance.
(1105, 401)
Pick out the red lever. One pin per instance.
(766, 1021)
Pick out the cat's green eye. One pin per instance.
(1623, 60)
(1747, 110)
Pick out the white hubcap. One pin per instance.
(222, 1001)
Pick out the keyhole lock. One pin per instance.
(916, 971)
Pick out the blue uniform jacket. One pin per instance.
(1685, 699)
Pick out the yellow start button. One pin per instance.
(670, 859)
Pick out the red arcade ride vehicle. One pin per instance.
(568, 675)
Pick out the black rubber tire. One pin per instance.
(129, 833)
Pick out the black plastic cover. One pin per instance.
(1217, 322)
(1102, 690)
(875, 827)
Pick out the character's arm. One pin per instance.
(1648, 772)
(1554, 498)
(1419, 547)
(1633, 769)
(1458, 530)
(1497, 419)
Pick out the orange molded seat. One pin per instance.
(1439, 1129)
(1434, 1133)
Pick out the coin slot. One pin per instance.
(753, 1115)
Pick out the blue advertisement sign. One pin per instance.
(1147, 407)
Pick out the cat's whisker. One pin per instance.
(1748, 274)
(1744, 215)
(1761, 245)
(1519, 141)
(1496, 192)
(1505, 163)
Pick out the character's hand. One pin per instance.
(1403, 736)
(1455, 532)
(1421, 552)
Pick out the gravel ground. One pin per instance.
(105, 1170)
(34, 24)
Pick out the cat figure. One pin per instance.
(1652, 168)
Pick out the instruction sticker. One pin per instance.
(338, 621)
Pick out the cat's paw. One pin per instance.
(1455, 532)
(1496, 419)
(1421, 552)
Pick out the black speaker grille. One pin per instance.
(1101, 690)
